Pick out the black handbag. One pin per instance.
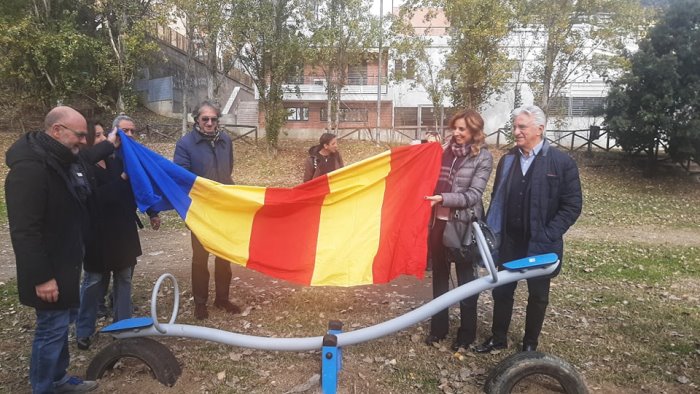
(460, 239)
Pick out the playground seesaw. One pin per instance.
(132, 334)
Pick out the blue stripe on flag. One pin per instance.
(158, 183)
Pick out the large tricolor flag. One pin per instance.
(365, 223)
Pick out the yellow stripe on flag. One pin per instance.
(222, 217)
(348, 236)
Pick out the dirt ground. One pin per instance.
(169, 251)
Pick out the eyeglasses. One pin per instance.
(206, 119)
(79, 134)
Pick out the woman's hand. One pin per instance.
(434, 199)
(114, 138)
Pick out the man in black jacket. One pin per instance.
(48, 203)
(536, 198)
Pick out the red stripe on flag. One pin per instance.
(285, 231)
(403, 240)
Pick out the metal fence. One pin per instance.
(570, 140)
(170, 132)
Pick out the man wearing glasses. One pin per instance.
(207, 152)
(48, 202)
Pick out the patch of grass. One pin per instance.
(648, 332)
(617, 195)
(635, 262)
(9, 295)
(10, 307)
(3, 209)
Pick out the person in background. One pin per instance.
(466, 167)
(433, 136)
(536, 198)
(115, 244)
(47, 193)
(323, 158)
(207, 151)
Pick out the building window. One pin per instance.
(405, 116)
(357, 74)
(296, 76)
(406, 69)
(348, 115)
(411, 69)
(575, 106)
(298, 113)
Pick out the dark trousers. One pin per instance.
(537, 301)
(200, 274)
(439, 323)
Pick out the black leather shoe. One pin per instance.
(490, 345)
(431, 339)
(456, 345)
(83, 343)
(200, 311)
(528, 347)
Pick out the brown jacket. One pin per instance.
(317, 164)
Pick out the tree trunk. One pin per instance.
(329, 116)
(549, 56)
(336, 123)
(120, 102)
(186, 80)
(650, 166)
(212, 68)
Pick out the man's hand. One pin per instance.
(155, 222)
(47, 291)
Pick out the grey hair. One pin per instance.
(538, 116)
(205, 104)
(115, 122)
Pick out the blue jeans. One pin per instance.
(121, 293)
(92, 289)
(50, 356)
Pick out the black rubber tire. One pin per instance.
(155, 355)
(520, 365)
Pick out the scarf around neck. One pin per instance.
(452, 158)
(56, 149)
(212, 138)
(74, 171)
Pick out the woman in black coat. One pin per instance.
(112, 249)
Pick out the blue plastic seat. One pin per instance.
(128, 324)
(540, 260)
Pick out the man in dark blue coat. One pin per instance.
(207, 151)
(536, 198)
(48, 206)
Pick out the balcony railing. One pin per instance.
(360, 85)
